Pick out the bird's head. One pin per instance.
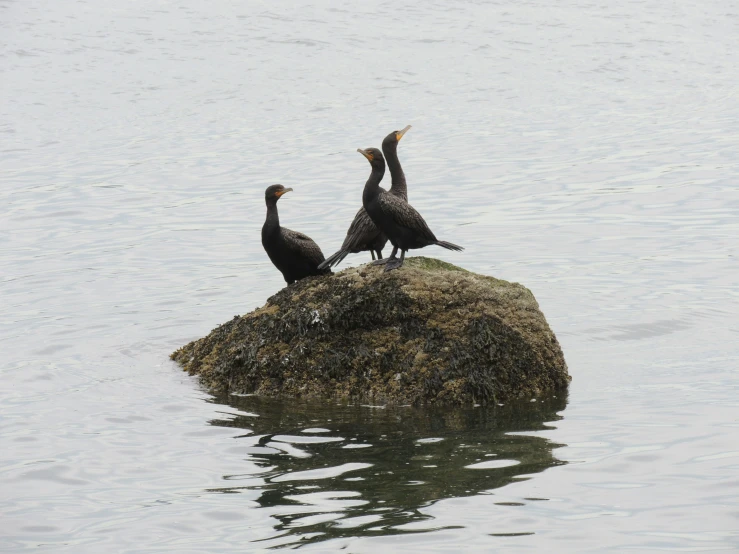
(374, 156)
(394, 138)
(273, 193)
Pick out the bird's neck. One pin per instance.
(372, 186)
(272, 222)
(399, 186)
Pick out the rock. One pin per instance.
(429, 332)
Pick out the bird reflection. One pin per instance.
(335, 471)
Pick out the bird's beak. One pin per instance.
(281, 192)
(399, 134)
(365, 154)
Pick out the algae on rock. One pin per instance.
(428, 332)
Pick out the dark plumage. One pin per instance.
(390, 149)
(396, 218)
(293, 253)
(363, 234)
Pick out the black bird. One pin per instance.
(293, 253)
(363, 234)
(396, 218)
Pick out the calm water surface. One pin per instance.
(587, 150)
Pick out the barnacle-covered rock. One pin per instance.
(428, 332)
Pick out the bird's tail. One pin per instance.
(449, 245)
(333, 259)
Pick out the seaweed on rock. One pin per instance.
(428, 333)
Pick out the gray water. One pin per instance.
(587, 150)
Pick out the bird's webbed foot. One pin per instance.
(383, 261)
(394, 263)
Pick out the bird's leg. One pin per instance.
(386, 260)
(373, 255)
(379, 254)
(394, 263)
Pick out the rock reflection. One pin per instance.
(373, 468)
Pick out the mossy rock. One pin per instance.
(429, 332)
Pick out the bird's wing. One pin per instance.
(361, 231)
(405, 215)
(302, 245)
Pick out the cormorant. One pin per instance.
(293, 253)
(396, 218)
(363, 234)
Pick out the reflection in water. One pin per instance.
(336, 470)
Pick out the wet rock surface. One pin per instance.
(429, 332)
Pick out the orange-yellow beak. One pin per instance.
(366, 154)
(281, 192)
(399, 134)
